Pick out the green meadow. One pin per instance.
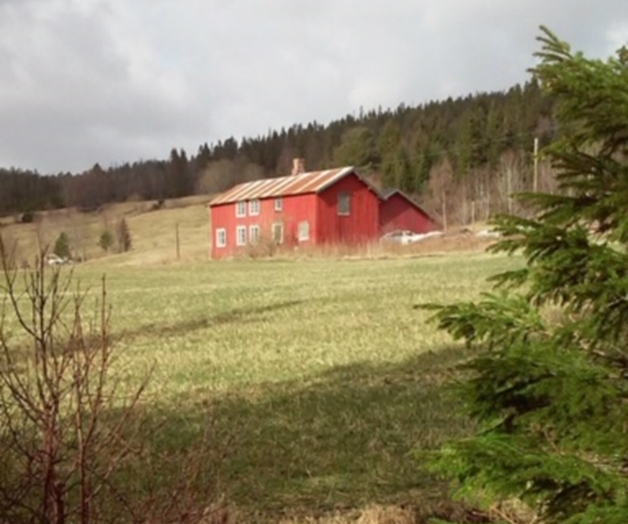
(315, 382)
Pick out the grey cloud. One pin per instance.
(75, 96)
(113, 81)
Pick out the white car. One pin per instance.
(54, 260)
(404, 236)
(488, 233)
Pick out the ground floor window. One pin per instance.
(221, 237)
(277, 233)
(253, 234)
(241, 236)
(304, 231)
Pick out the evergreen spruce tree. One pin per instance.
(396, 169)
(420, 171)
(465, 143)
(62, 246)
(492, 137)
(356, 149)
(389, 139)
(124, 236)
(106, 240)
(548, 383)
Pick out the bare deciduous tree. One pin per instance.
(60, 443)
(72, 433)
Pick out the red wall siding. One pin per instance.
(319, 210)
(222, 217)
(361, 225)
(295, 209)
(398, 213)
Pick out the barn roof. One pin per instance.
(387, 193)
(313, 182)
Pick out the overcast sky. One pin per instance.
(111, 81)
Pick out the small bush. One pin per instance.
(105, 242)
(62, 246)
(27, 217)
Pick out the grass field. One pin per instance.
(317, 378)
(312, 375)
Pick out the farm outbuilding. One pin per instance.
(336, 206)
(398, 211)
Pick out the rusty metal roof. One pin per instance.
(313, 182)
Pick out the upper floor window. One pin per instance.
(278, 204)
(344, 204)
(241, 209)
(254, 207)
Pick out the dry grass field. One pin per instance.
(314, 377)
(153, 232)
(154, 236)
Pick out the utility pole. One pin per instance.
(535, 179)
(177, 240)
(509, 188)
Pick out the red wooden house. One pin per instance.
(399, 211)
(304, 209)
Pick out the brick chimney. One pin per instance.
(298, 166)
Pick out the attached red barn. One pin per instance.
(306, 209)
(399, 211)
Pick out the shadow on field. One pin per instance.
(338, 441)
(238, 315)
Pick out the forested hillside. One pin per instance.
(460, 157)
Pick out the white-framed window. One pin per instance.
(253, 234)
(241, 236)
(344, 204)
(278, 204)
(254, 207)
(277, 233)
(221, 237)
(241, 209)
(304, 231)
